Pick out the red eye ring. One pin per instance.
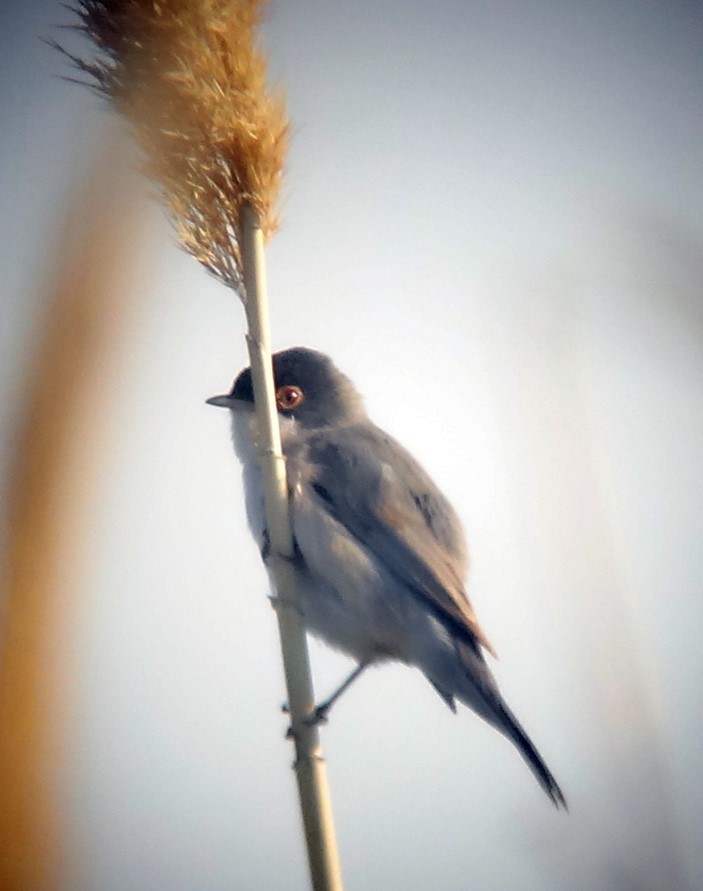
(289, 397)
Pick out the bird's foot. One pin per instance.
(320, 715)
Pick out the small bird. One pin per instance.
(380, 554)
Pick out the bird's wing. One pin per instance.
(381, 495)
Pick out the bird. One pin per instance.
(380, 554)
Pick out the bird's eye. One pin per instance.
(288, 398)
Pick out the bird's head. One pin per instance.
(309, 388)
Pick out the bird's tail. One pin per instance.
(484, 697)
(513, 730)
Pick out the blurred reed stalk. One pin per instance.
(54, 470)
(190, 78)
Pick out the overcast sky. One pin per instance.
(493, 222)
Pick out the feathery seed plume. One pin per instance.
(191, 80)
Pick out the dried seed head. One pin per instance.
(191, 79)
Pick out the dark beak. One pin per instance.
(223, 401)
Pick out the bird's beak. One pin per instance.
(223, 401)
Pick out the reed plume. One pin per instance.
(191, 80)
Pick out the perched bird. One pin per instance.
(380, 552)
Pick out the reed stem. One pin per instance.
(310, 768)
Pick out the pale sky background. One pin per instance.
(493, 222)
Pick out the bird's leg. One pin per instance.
(319, 716)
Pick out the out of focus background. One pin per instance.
(493, 222)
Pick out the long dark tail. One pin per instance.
(513, 730)
(483, 696)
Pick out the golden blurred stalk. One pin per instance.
(54, 469)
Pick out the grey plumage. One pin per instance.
(382, 552)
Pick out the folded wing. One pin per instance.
(382, 496)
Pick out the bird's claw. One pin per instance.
(319, 716)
